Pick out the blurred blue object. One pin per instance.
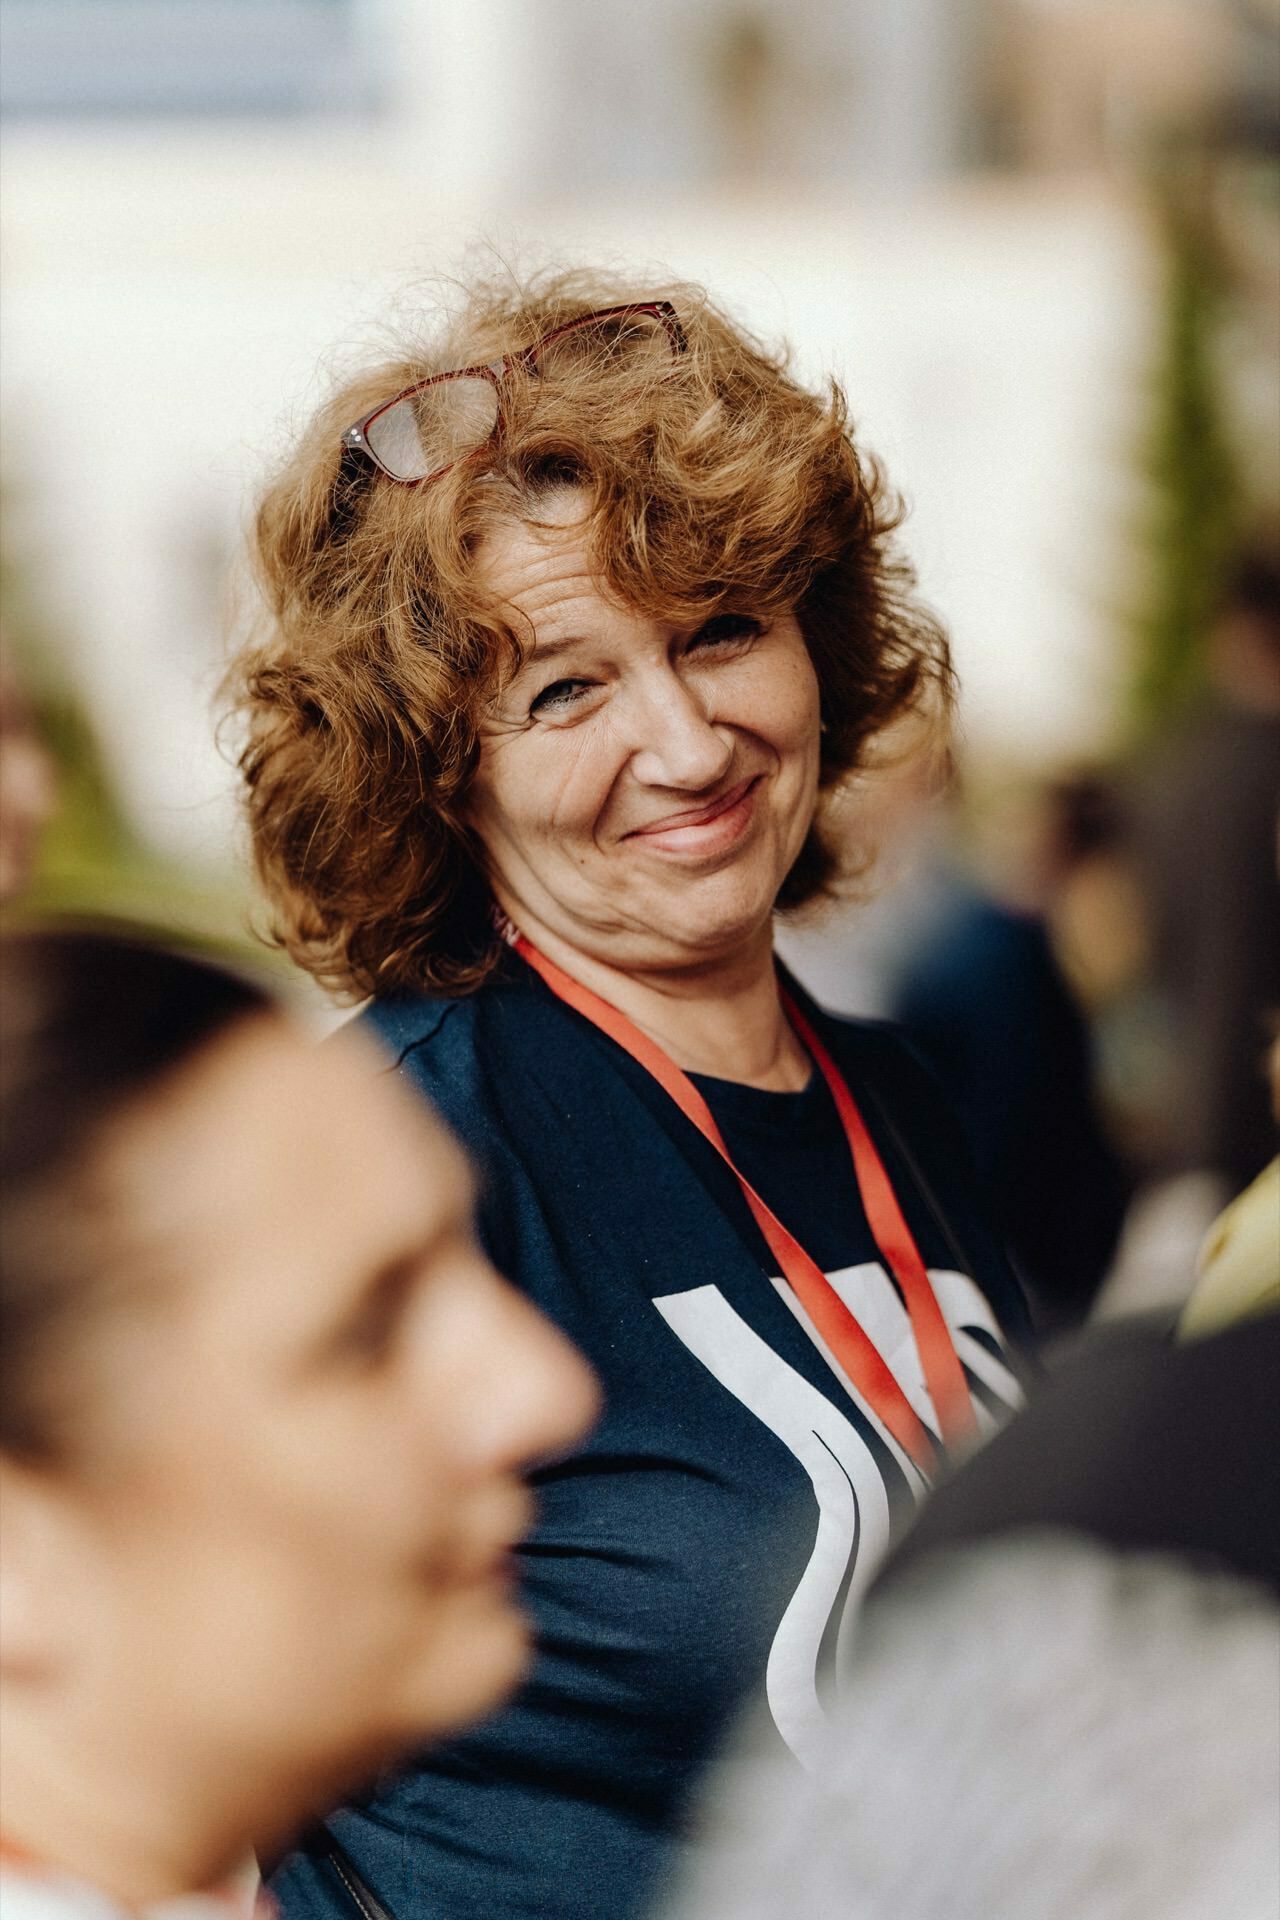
(983, 997)
(68, 59)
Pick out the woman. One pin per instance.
(265, 1409)
(573, 636)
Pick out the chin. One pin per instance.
(472, 1672)
(715, 928)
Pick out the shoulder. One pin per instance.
(879, 1051)
(405, 1022)
(479, 1057)
(887, 1073)
(924, 1147)
(441, 1047)
(413, 1027)
(512, 1014)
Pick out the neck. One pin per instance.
(722, 1016)
(119, 1817)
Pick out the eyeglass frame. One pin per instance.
(356, 440)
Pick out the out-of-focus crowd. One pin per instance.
(1094, 972)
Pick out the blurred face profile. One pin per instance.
(306, 1422)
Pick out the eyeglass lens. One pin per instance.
(640, 340)
(434, 427)
(449, 418)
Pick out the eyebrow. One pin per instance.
(552, 649)
(385, 1285)
(543, 650)
(381, 1291)
(390, 1282)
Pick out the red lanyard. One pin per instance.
(856, 1352)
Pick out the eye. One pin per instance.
(558, 697)
(369, 1337)
(727, 630)
(368, 1341)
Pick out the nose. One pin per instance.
(541, 1395)
(676, 742)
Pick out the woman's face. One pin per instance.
(642, 789)
(309, 1421)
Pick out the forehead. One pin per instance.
(543, 570)
(269, 1155)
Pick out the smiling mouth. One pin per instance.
(698, 816)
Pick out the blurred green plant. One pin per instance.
(90, 858)
(1195, 487)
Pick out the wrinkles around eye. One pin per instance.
(727, 634)
(728, 630)
(558, 697)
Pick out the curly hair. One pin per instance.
(716, 479)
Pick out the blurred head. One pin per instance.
(1244, 642)
(266, 1405)
(27, 786)
(1076, 1730)
(706, 532)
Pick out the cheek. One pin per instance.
(245, 1598)
(780, 701)
(295, 1529)
(545, 787)
(802, 695)
(362, 1564)
(584, 769)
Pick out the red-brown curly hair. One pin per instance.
(718, 481)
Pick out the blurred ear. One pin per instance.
(41, 1564)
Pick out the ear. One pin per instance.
(41, 1561)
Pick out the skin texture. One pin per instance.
(642, 792)
(284, 1554)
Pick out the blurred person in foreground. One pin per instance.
(266, 1412)
(1065, 1689)
(1035, 1730)
(578, 618)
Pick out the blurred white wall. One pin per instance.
(171, 288)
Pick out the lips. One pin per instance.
(697, 816)
(484, 1551)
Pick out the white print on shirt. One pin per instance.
(853, 1507)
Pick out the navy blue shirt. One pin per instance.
(715, 1530)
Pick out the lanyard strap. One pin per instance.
(856, 1352)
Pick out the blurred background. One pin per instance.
(1039, 243)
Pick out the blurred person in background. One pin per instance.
(1205, 846)
(983, 993)
(572, 638)
(27, 784)
(967, 963)
(1207, 820)
(1238, 1271)
(266, 1413)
